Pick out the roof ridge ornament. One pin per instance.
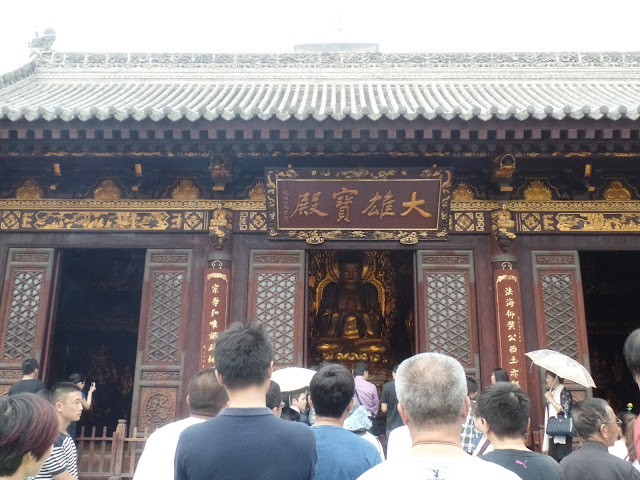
(341, 60)
(42, 44)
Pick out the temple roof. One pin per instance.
(319, 86)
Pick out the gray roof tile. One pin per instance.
(321, 86)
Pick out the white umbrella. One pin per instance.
(292, 378)
(562, 366)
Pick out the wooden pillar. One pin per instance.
(217, 285)
(508, 298)
(215, 310)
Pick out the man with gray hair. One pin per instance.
(598, 426)
(433, 403)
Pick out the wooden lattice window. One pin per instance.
(276, 310)
(446, 298)
(276, 299)
(165, 316)
(560, 317)
(559, 307)
(25, 305)
(448, 314)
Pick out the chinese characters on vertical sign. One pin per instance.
(509, 313)
(358, 204)
(214, 317)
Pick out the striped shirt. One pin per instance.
(63, 458)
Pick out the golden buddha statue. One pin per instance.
(349, 319)
(350, 309)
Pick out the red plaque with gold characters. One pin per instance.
(214, 312)
(381, 204)
(509, 312)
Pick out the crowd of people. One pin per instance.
(438, 425)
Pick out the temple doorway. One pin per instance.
(361, 307)
(96, 327)
(612, 311)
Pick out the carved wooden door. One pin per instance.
(560, 306)
(24, 310)
(447, 306)
(276, 299)
(157, 394)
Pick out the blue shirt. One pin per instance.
(246, 444)
(342, 455)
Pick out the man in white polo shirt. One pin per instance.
(433, 403)
(206, 397)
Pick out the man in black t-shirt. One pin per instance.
(389, 403)
(246, 440)
(29, 382)
(504, 411)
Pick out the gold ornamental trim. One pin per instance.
(548, 206)
(161, 204)
(258, 206)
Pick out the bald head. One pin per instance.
(432, 389)
(206, 396)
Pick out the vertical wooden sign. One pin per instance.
(215, 309)
(509, 316)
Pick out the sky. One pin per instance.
(242, 26)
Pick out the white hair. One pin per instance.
(432, 388)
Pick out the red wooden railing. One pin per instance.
(113, 457)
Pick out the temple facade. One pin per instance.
(362, 206)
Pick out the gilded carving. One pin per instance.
(185, 190)
(193, 221)
(219, 167)
(504, 166)
(68, 220)
(530, 222)
(503, 227)
(537, 191)
(463, 222)
(598, 222)
(252, 222)
(107, 190)
(616, 191)
(258, 191)
(10, 220)
(220, 227)
(29, 190)
(462, 193)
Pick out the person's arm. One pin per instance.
(384, 405)
(376, 400)
(64, 476)
(86, 403)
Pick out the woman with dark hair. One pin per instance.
(499, 375)
(28, 427)
(559, 402)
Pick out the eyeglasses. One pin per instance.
(618, 422)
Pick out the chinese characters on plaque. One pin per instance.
(214, 317)
(358, 204)
(509, 313)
